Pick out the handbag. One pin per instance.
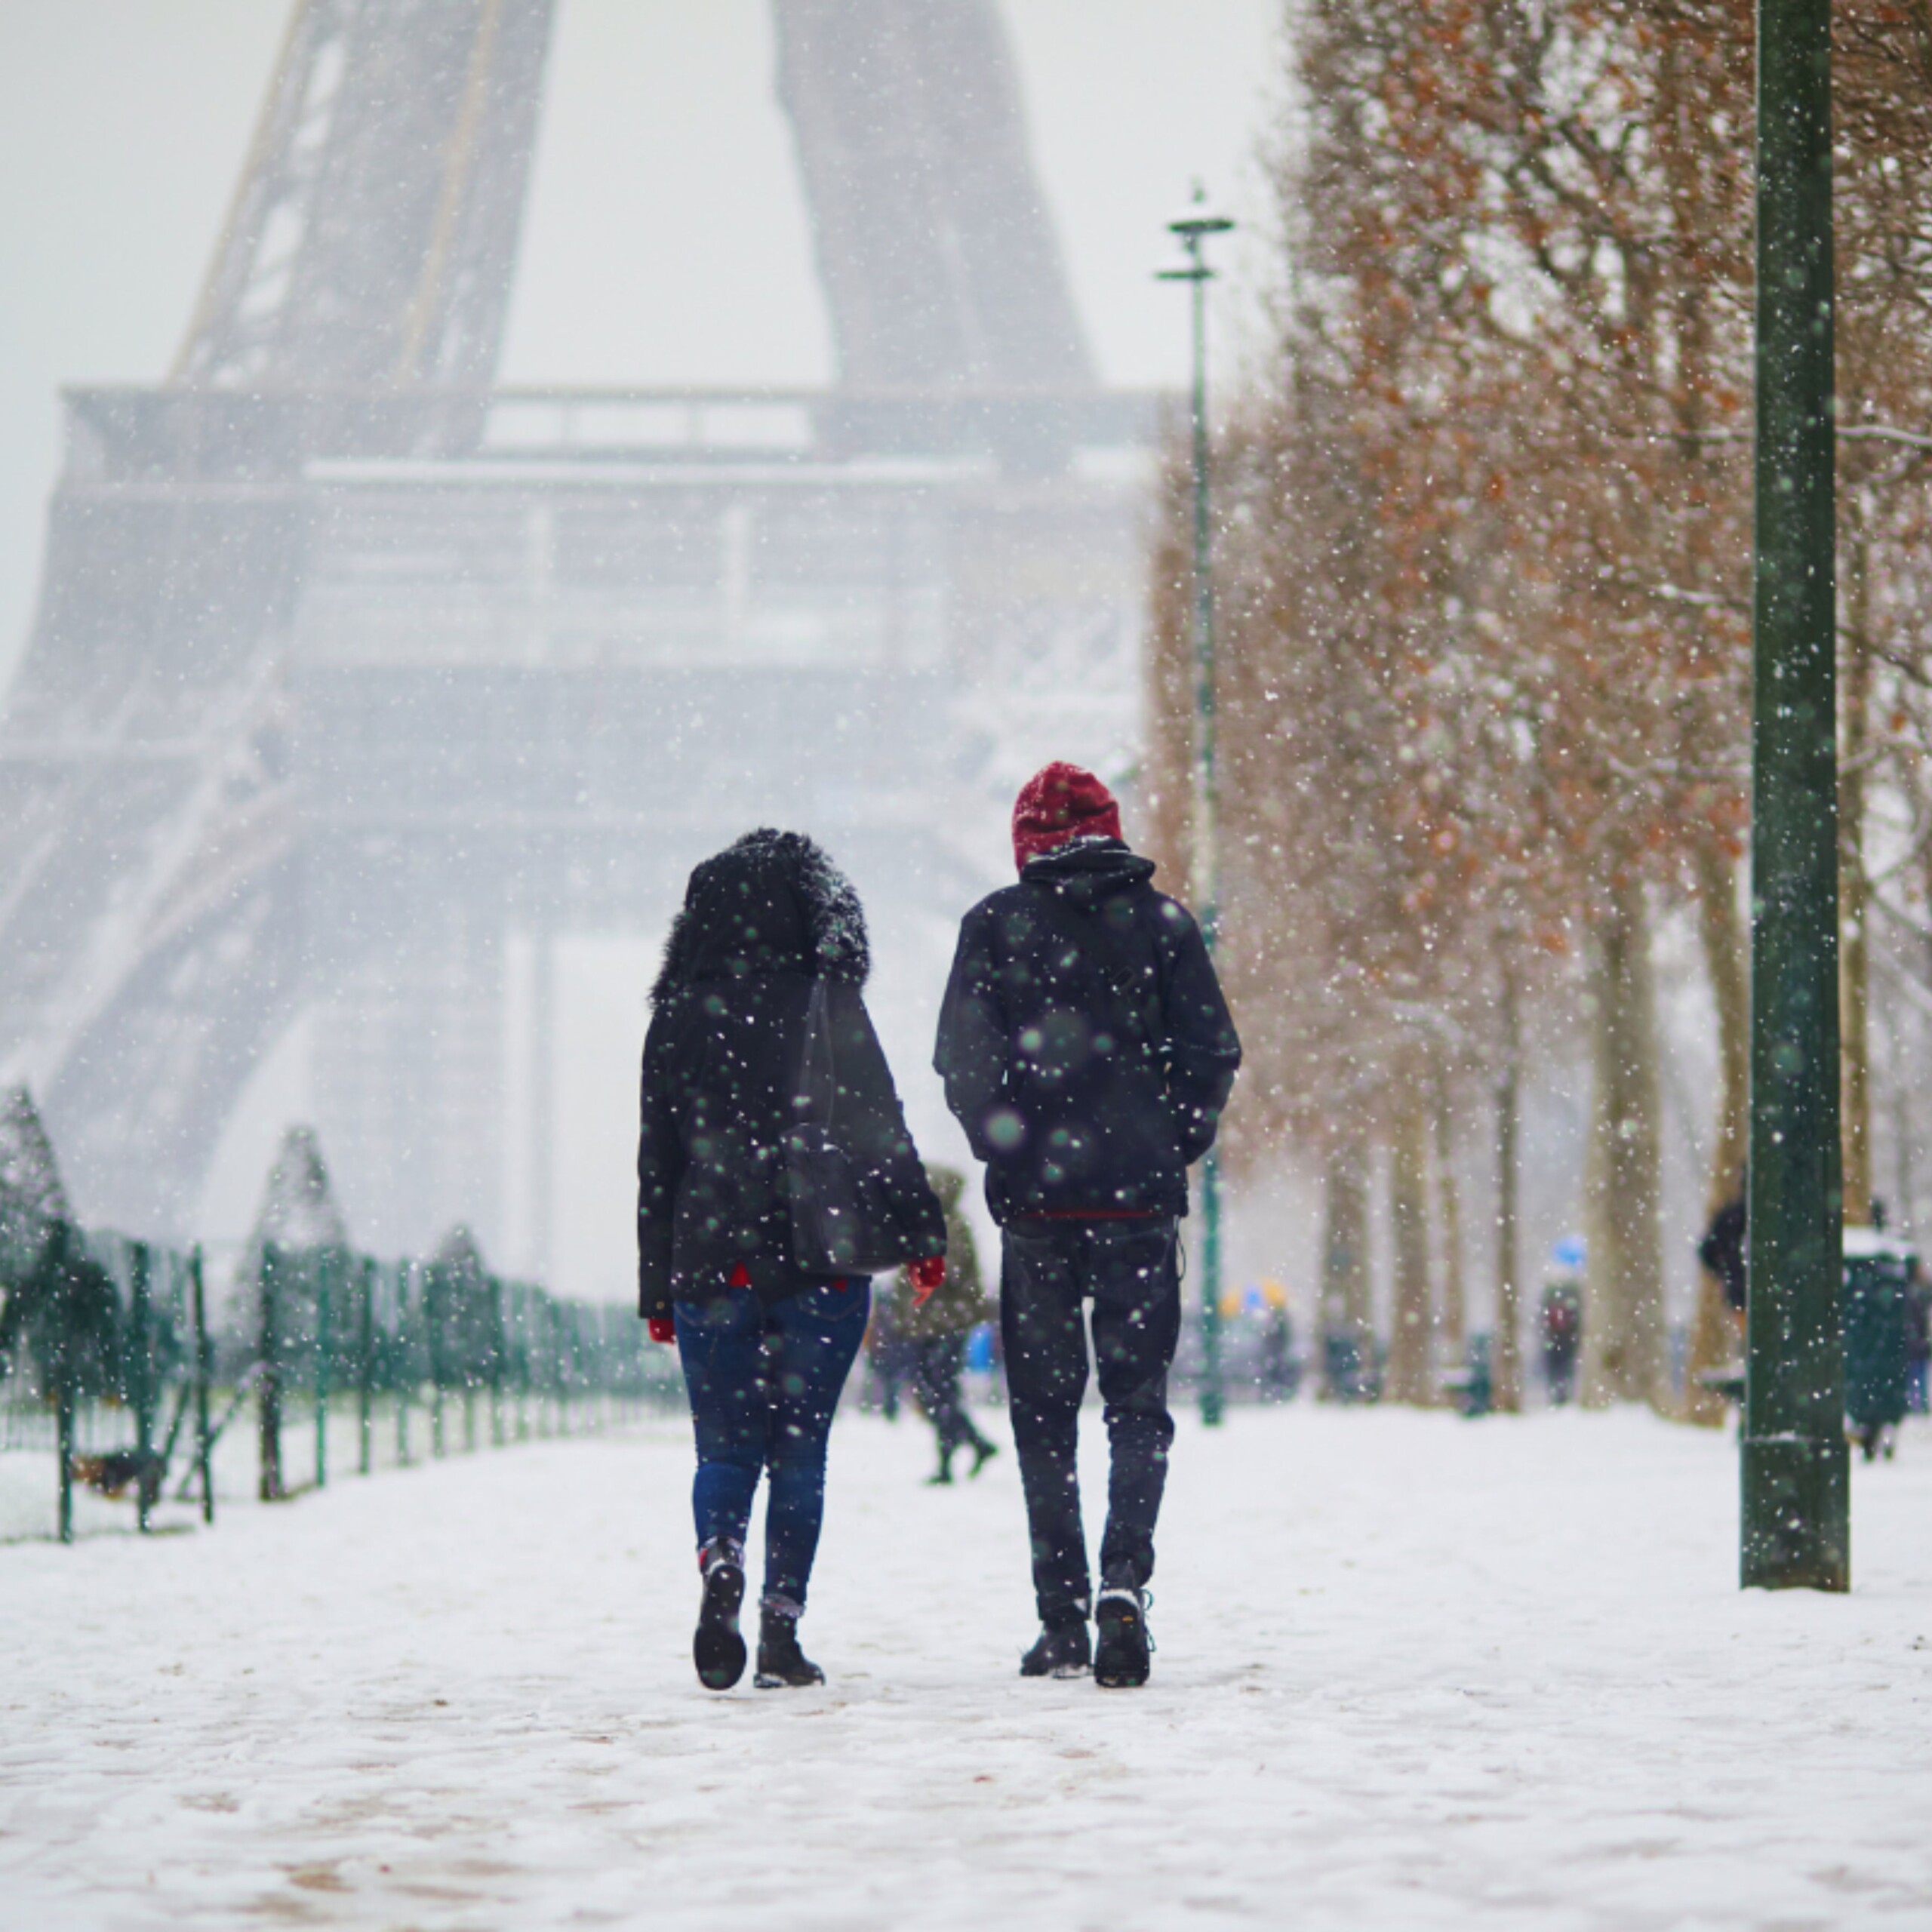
(850, 1214)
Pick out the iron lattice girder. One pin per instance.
(329, 674)
(373, 236)
(153, 845)
(940, 263)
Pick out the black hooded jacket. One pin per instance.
(1087, 1078)
(761, 922)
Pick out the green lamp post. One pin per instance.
(1192, 227)
(1796, 1511)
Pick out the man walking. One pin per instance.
(1087, 1052)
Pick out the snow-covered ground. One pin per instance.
(1414, 1673)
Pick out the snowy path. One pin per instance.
(1414, 1672)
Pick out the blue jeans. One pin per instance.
(763, 1384)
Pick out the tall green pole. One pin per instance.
(324, 1318)
(139, 1376)
(269, 1390)
(1193, 228)
(365, 1370)
(1796, 1511)
(203, 1367)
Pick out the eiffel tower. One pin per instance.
(356, 679)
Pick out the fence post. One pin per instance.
(268, 1400)
(139, 1374)
(499, 1345)
(204, 1365)
(366, 1369)
(61, 1258)
(325, 1275)
(433, 1322)
(63, 1426)
(520, 1368)
(402, 1363)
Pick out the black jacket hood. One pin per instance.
(1088, 870)
(772, 902)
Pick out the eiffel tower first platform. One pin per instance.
(357, 680)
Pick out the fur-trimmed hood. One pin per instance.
(772, 903)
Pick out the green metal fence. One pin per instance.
(111, 1368)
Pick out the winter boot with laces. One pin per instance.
(718, 1650)
(1062, 1649)
(1121, 1657)
(782, 1665)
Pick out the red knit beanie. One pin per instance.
(1060, 802)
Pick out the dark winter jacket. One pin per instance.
(761, 922)
(959, 1303)
(1076, 1104)
(1723, 1250)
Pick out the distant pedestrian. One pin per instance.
(936, 1326)
(1918, 1335)
(1724, 1249)
(769, 943)
(890, 1357)
(1562, 1324)
(1279, 1374)
(1877, 1319)
(1087, 1052)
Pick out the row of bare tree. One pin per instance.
(1484, 560)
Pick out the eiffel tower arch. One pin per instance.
(356, 679)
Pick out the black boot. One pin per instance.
(984, 1452)
(1120, 1655)
(717, 1649)
(781, 1664)
(944, 1473)
(1062, 1649)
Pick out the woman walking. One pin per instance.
(766, 1341)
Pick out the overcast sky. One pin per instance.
(666, 241)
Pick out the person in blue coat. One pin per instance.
(1087, 1052)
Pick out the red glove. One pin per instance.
(926, 1275)
(662, 1328)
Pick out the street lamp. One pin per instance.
(1796, 1482)
(1192, 227)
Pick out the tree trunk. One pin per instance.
(1347, 1336)
(1169, 730)
(1452, 1325)
(1506, 1359)
(1623, 1313)
(1410, 1357)
(1714, 1337)
(1854, 895)
(1903, 1215)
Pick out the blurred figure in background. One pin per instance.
(890, 1355)
(1562, 1322)
(1279, 1374)
(1918, 1335)
(935, 1329)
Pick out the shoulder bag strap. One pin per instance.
(818, 1088)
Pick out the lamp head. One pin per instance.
(1197, 218)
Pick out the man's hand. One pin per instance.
(926, 1276)
(662, 1328)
